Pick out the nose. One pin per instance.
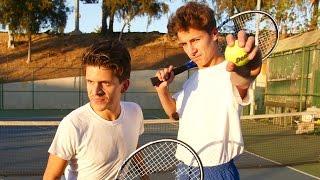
(97, 89)
(192, 49)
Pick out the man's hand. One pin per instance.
(242, 76)
(166, 75)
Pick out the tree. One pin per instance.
(128, 10)
(30, 16)
(57, 16)
(104, 26)
(315, 14)
(288, 13)
(152, 9)
(8, 17)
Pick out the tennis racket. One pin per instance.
(158, 160)
(255, 23)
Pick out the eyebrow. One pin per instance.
(196, 37)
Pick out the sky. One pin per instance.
(90, 19)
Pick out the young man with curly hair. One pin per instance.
(209, 104)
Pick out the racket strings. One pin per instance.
(261, 25)
(158, 158)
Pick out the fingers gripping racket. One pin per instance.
(157, 160)
(189, 65)
(255, 23)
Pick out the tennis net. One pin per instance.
(270, 140)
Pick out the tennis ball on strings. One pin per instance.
(236, 54)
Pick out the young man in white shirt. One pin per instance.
(209, 104)
(92, 141)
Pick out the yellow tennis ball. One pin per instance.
(236, 54)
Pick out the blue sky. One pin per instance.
(90, 19)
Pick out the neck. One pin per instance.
(215, 61)
(110, 114)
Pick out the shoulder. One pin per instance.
(130, 106)
(132, 110)
(77, 117)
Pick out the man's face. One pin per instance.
(104, 88)
(200, 46)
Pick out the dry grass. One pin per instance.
(59, 56)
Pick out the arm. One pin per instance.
(243, 76)
(168, 103)
(55, 168)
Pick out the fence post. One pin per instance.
(80, 87)
(2, 96)
(32, 88)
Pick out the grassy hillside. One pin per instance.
(55, 56)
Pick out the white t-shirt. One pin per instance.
(94, 147)
(209, 108)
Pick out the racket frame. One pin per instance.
(256, 12)
(155, 81)
(190, 149)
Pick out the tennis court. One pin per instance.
(273, 149)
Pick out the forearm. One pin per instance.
(168, 103)
(242, 84)
(50, 177)
(55, 168)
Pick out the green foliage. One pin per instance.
(29, 16)
(290, 14)
(57, 16)
(127, 10)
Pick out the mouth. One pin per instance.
(97, 100)
(196, 59)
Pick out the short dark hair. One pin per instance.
(110, 54)
(194, 15)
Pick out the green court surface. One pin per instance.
(270, 147)
(281, 144)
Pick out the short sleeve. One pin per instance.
(140, 120)
(178, 97)
(247, 99)
(65, 141)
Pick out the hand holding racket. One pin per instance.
(157, 160)
(254, 23)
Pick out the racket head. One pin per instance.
(255, 23)
(158, 158)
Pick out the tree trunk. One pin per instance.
(111, 21)
(314, 19)
(122, 29)
(29, 48)
(283, 31)
(104, 25)
(10, 39)
(76, 18)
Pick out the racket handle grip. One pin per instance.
(156, 82)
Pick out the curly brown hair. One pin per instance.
(111, 55)
(194, 15)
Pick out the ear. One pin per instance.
(125, 85)
(214, 34)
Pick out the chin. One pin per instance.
(99, 106)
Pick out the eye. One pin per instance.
(106, 84)
(195, 40)
(89, 81)
(182, 44)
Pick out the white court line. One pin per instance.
(310, 175)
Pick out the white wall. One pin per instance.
(70, 93)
